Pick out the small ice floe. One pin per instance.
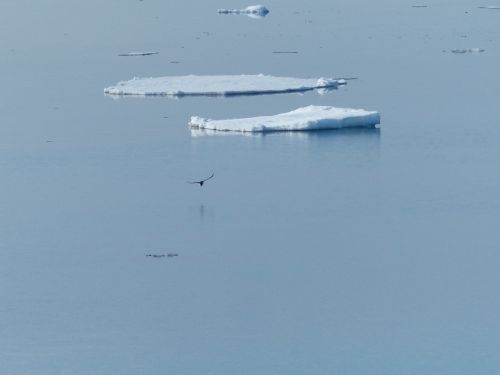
(470, 50)
(256, 11)
(138, 54)
(301, 119)
(229, 85)
(490, 7)
(285, 52)
(419, 6)
(169, 255)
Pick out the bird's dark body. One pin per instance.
(202, 181)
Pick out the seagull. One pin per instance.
(202, 181)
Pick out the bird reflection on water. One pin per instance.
(206, 214)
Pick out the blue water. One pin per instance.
(346, 252)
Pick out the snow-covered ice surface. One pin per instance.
(255, 10)
(224, 85)
(301, 119)
(138, 53)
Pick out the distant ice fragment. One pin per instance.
(470, 50)
(419, 6)
(138, 54)
(489, 7)
(301, 119)
(255, 10)
(226, 85)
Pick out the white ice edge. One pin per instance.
(301, 119)
(223, 85)
(353, 131)
(260, 10)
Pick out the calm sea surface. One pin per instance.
(334, 252)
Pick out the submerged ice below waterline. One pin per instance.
(224, 85)
(301, 119)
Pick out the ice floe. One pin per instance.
(490, 7)
(470, 50)
(301, 119)
(252, 10)
(138, 54)
(224, 85)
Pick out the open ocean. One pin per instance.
(352, 252)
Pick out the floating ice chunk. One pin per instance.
(255, 10)
(138, 53)
(228, 85)
(419, 6)
(301, 119)
(470, 50)
(490, 7)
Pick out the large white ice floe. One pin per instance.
(226, 85)
(301, 119)
(256, 10)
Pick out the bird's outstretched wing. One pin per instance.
(206, 179)
(201, 181)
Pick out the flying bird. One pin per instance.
(202, 181)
